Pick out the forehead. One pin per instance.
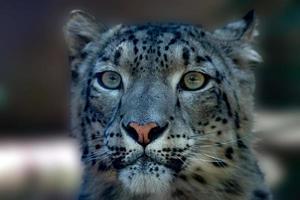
(157, 33)
(158, 46)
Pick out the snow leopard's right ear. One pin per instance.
(243, 29)
(80, 29)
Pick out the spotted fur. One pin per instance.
(205, 152)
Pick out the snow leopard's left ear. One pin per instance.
(80, 29)
(238, 37)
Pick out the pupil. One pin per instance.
(112, 78)
(193, 78)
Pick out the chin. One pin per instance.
(146, 178)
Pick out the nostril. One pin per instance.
(131, 132)
(144, 133)
(157, 132)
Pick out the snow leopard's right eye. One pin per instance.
(109, 80)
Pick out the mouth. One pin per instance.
(144, 160)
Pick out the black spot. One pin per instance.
(117, 57)
(219, 163)
(178, 193)
(97, 146)
(229, 111)
(208, 58)
(109, 192)
(175, 164)
(166, 149)
(237, 120)
(136, 50)
(166, 48)
(260, 194)
(202, 33)
(183, 177)
(178, 103)
(191, 34)
(199, 178)
(117, 163)
(135, 41)
(199, 59)
(219, 144)
(122, 149)
(74, 75)
(186, 56)
(232, 187)
(166, 57)
(172, 41)
(83, 55)
(104, 59)
(224, 121)
(219, 77)
(240, 143)
(131, 37)
(85, 150)
(162, 63)
(102, 166)
(158, 53)
(137, 64)
(177, 35)
(218, 119)
(228, 153)
(71, 58)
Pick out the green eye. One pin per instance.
(109, 80)
(193, 81)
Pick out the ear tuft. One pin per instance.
(245, 56)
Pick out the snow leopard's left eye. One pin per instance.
(193, 81)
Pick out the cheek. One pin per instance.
(199, 105)
(105, 104)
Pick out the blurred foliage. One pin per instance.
(3, 98)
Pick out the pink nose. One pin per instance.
(143, 131)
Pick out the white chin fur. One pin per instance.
(143, 182)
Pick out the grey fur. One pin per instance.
(205, 152)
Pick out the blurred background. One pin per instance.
(39, 161)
